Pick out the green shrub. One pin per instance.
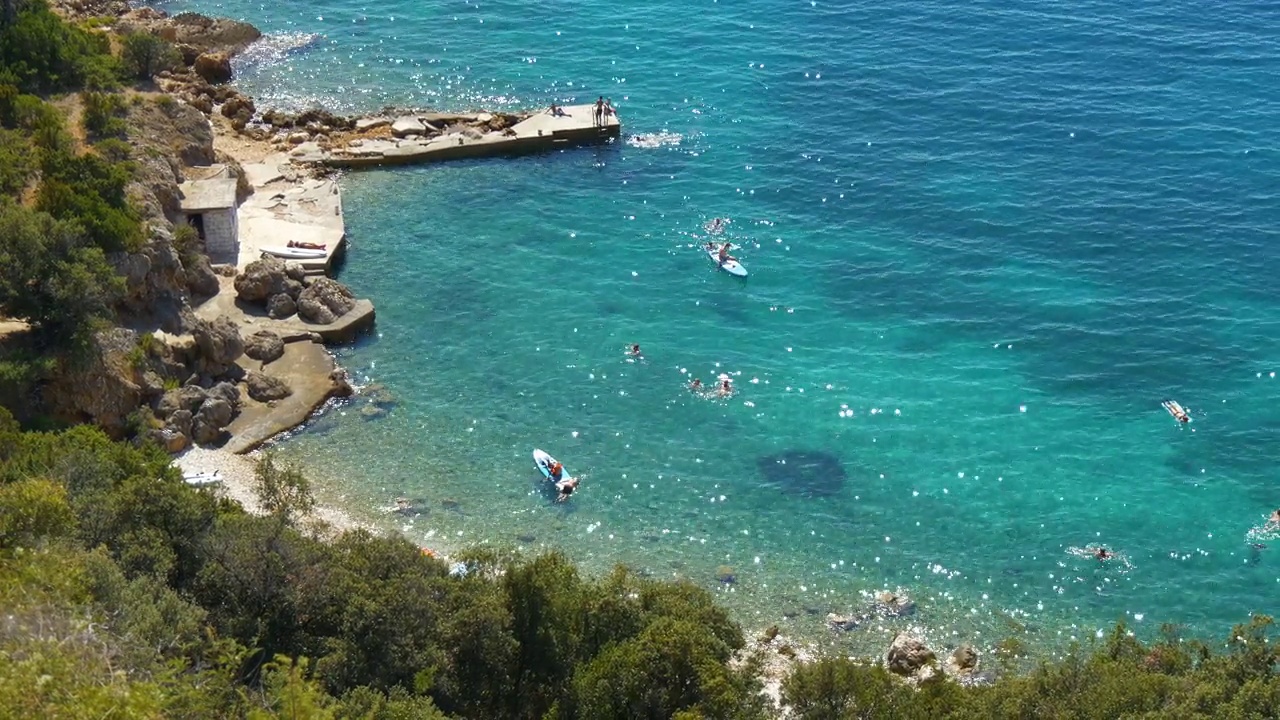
(43, 53)
(17, 162)
(103, 115)
(31, 510)
(90, 190)
(50, 276)
(144, 55)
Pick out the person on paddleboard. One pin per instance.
(555, 469)
(566, 488)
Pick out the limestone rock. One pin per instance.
(208, 34)
(365, 124)
(406, 126)
(265, 388)
(101, 388)
(203, 103)
(214, 415)
(219, 342)
(841, 622)
(907, 655)
(963, 662)
(181, 422)
(281, 306)
(227, 391)
(201, 280)
(324, 301)
(261, 279)
(214, 67)
(294, 271)
(173, 442)
(891, 604)
(237, 103)
(187, 398)
(264, 346)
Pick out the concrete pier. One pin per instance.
(283, 209)
(416, 139)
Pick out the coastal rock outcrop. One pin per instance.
(102, 387)
(324, 301)
(909, 657)
(892, 604)
(261, 279)
(841, 622)
(962, 663)
(220, 344)
(407, 126)
(204, 34)
(265, 388)
(214, 67)
(264, 346)
(281, 306)
(187, 398)
(202, 281)
(214, 415)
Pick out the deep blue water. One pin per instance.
(999, 233)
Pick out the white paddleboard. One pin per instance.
(544, 462)
(733, 267)
(294, 253)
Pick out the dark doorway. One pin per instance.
(197, 222)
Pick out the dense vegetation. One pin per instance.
(109, 562)
(63, 206)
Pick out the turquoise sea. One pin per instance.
(985, 239)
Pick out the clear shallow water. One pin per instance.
(1000, 234)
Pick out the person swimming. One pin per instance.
(1103, 553)
(566, 488)
(1178, 412)
(634, 351)
(696, 385)
(725, 389)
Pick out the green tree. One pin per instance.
(282, 490)
(44, 53)
(144, 55)
(103, 115)
(50, 276)
(17, 162)
(31, 510)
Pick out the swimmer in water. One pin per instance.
(1177, 411)
(696, 385)
(1274, 520)
(726, 387)
(566, 488)
(1103, 554)
(635, 351)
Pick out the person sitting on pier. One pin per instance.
(556, 110)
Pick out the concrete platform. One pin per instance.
(307, 368)
(280, 210)
(541, 132)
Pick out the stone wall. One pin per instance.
(221, 234)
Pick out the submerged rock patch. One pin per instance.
(808, 473)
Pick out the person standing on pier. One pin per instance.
(600, 110)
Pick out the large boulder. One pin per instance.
(281, 306)
(214, 415)
(101, 387)
(219, 342)
(261, 279)
(187, 398)
(214, 67)
(265, 388)
(208, 34)
(227, 391)
(324, 301)
(407, 126)
(908, 656)
(181, 422)
(892, 604)
(963, 662)
(264, 346)
(201, 280)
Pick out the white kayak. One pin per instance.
(202, 479)
(294, 253)
(733, 267)
(544, 462)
